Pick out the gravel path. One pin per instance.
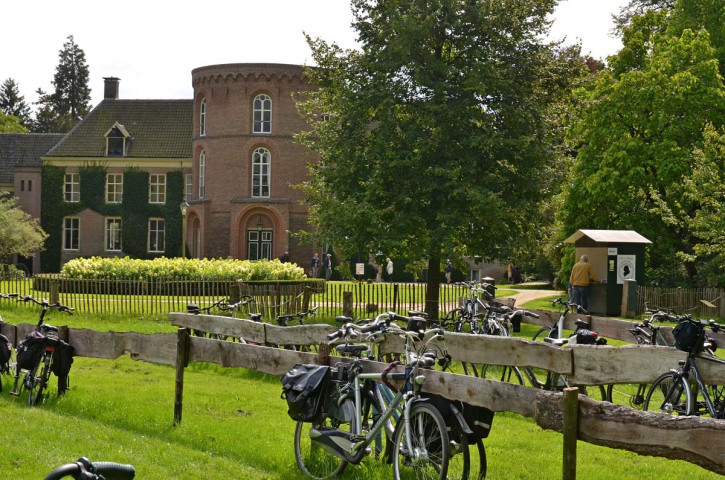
(524, 296)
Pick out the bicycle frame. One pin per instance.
(691, 366)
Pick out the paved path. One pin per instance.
(524, 296)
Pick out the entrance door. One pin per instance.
(259, 244)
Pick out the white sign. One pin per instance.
(359, 269)
(626, 268)
(612, 251)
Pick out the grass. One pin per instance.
(234, 425)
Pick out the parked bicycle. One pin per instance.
(457, 319)
(324, 447)
(224, 306)
(40, 353)
(7, 365)
(682, 391)
(84, 469)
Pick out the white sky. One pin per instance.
(153, 45)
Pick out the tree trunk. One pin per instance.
(433, 283)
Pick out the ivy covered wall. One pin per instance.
(134, 210)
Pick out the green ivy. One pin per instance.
(134, 210)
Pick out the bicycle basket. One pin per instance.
(686, 334)
(303, 387)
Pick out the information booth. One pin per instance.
(615, 255)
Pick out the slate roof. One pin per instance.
(23, 150)
(158, 129)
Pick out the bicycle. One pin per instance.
(224, 306)
(36, 354)
(457, 318)
(84, 469)
(7, 365)
(420, 440)
(681, 391)
(645, 333)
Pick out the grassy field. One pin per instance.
(234, 425)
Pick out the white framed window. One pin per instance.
(202, 117)
(262, 109)
(261, 164)
(157, 235)
(113, 234)
(202, 174)
(114, 187)
(188, 186)
(72, 187)
(71, 233)
(157, 188)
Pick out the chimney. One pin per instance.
(110, 90)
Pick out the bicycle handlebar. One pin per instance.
(9, 295)
(86, 470)
(44, 303)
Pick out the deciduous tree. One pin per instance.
(20, 233)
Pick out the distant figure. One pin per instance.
(327, 265)
(315, 266)
(582, 274)
(389, 269)
(285, 257)
(449, 270)
(517, 274)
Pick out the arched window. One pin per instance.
(202, 174)
(202, 117)
(262, 114)
(261, 163)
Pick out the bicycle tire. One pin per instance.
(548, 333)
(482, 460)
(430, 436)
(502, 373)
(459, 458)
(43, 378)
(670, 394)
(312, 460)
(630, 394)
(30, 382)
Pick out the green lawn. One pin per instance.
(234, 425)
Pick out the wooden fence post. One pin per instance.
(347, 304)
(234, 293)
(63, 381)
(629, 298)
(54, 290)
(395, 297)
(570, 431)
(182, 361)
(306, 294)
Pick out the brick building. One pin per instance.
(246, 162)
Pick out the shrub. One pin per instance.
(181, 269)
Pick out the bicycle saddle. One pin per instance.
(351, 350)
(257, 317)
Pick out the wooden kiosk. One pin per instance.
(615, 255)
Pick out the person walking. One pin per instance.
(389, 269)
(449, 270)
(327, 265)
(315, 266)
(582, 275)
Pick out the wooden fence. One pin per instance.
(152, 296)
(683, 300)
(693, 439)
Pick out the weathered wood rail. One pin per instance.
(693, 439)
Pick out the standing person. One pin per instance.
(389, 269)
(315, 266)
(582, 274)
(327, 265)
(449, 270)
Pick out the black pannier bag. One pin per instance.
(478, 419)
(5, 348)
(62, 359)
(30, 350)
(303, 387)
(685, 334)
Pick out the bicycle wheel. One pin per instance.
(502, 373)
(459, 458)
(42, 381)
(314, 460)
(545, 332)
(470, 369)
(453, 322)
(595, 392)
(630, 394)
(429, 442)
(669, 394)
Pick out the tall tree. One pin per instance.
(12, 103)
(432, 138)
(72, 95)
(21, 234)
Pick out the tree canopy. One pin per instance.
(432, 139)
(12, 103)
(21, 234)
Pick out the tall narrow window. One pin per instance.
(262, 114)
(22, 185)
(261, 160)
(30, 185)
(72, 187)
(157, 235)
(71, 233)
(202, 117)
(114, 187)
(157, 188)
(113, 234)
(202, 174)
(188, 186)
